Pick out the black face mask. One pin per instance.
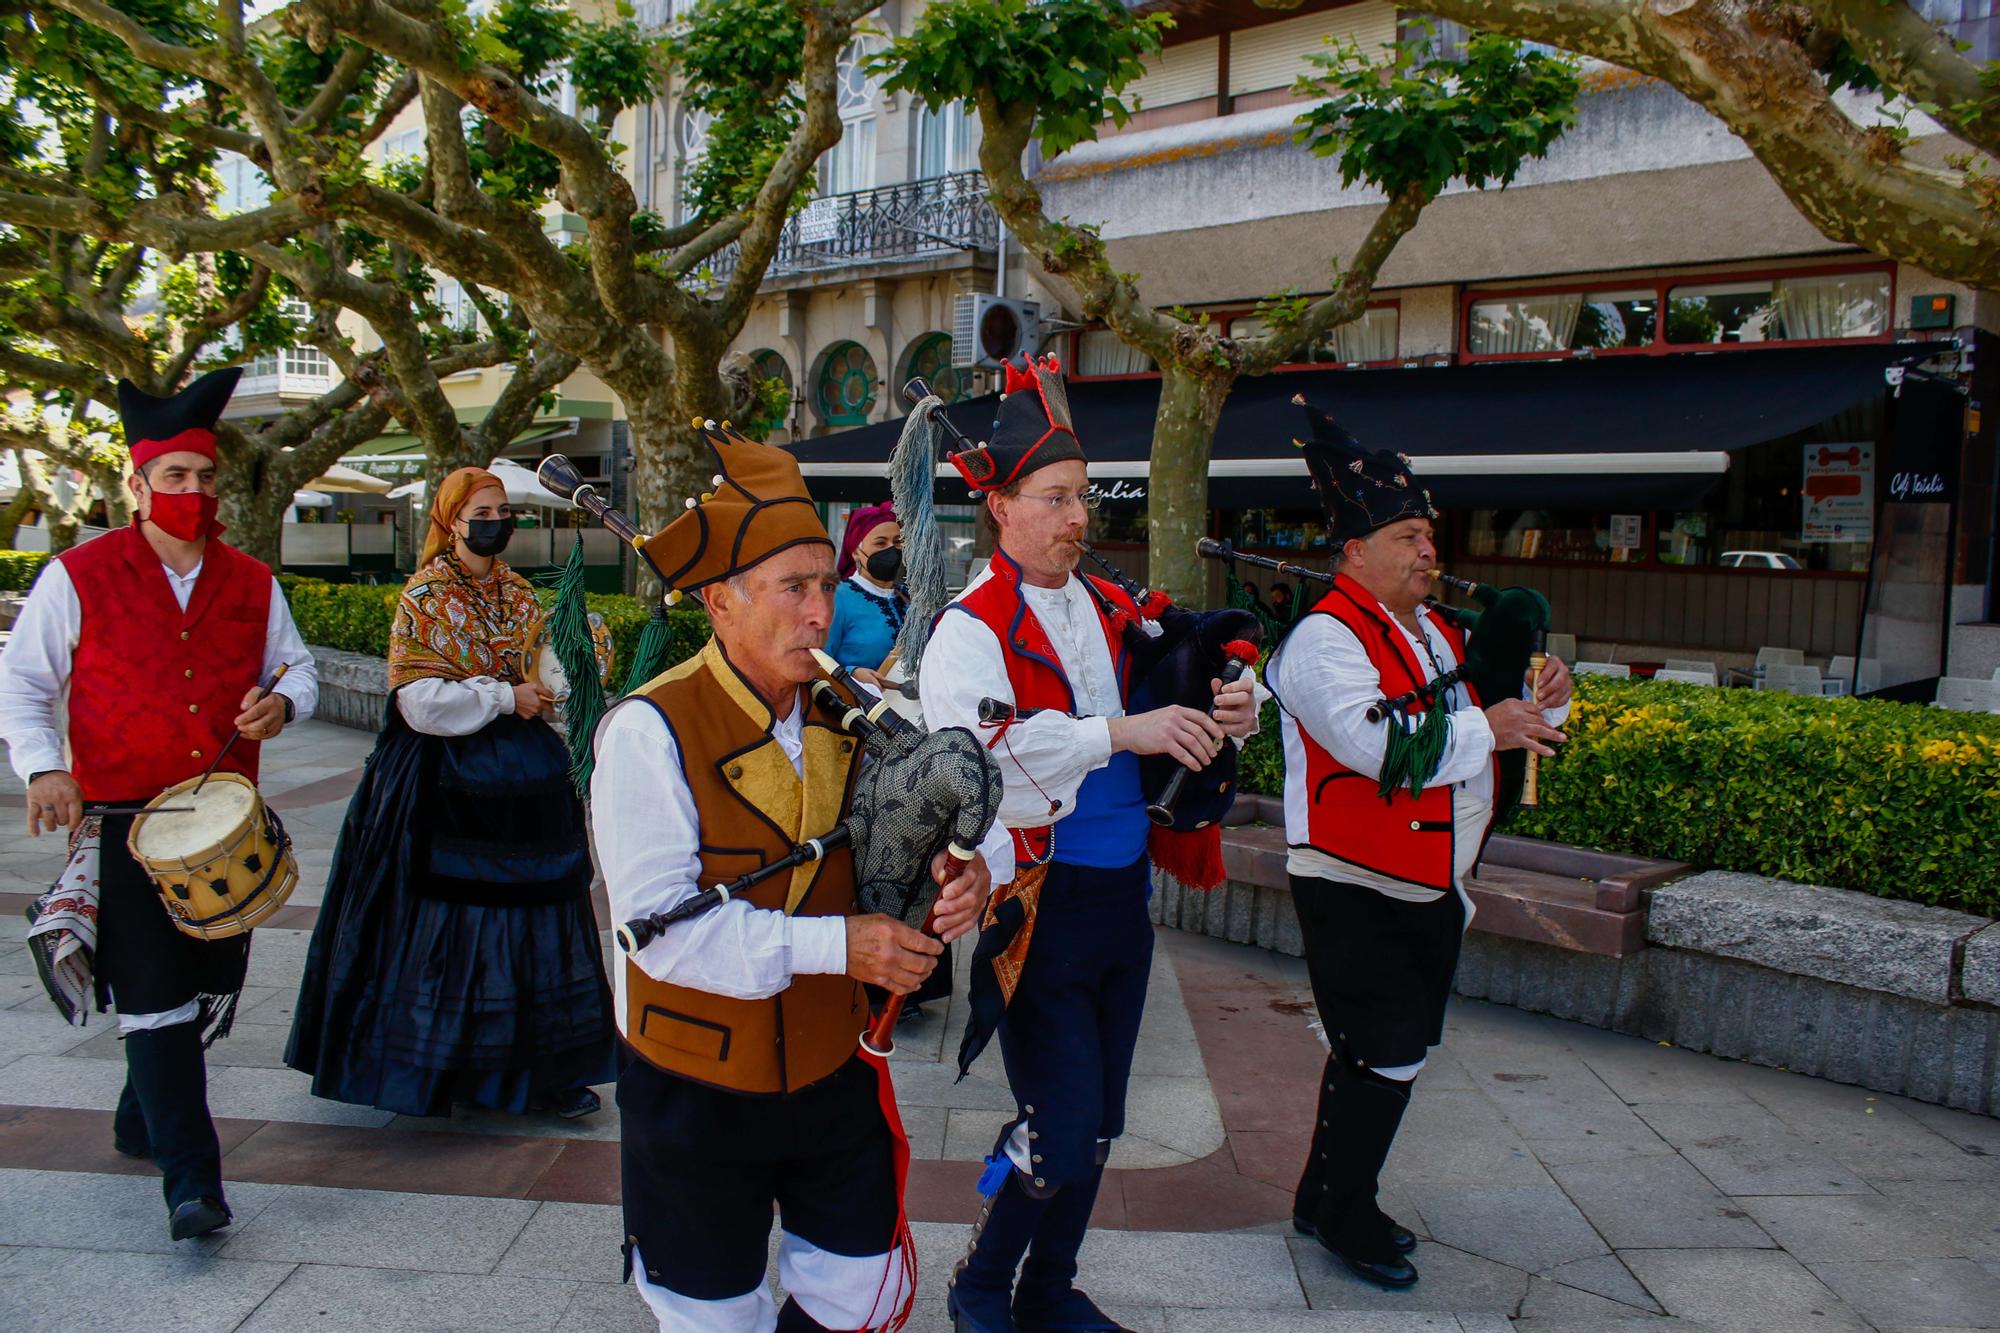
(488, 536)
(885, 564)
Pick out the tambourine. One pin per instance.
(545, 669)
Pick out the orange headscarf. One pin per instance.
(457, 488)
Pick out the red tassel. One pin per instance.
(1193, 858)
(903, 1250)
(1242, 650)
(1157, 603)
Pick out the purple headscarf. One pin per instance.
(859, 524)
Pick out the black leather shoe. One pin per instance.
(1073, 1312)
(1400, 1236)
(197, 1217)
(575, 1103)
(124, 1149)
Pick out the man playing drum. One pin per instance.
(742, 1088)
(1379, 882)
(157, 637)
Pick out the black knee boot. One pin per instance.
(983, 1284)
(1367, 1110)
(1312, 1181)
(1046, 1301)
(169, 1078)
(128, 1124)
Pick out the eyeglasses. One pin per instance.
(1089, 499)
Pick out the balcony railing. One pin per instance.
(933, 216)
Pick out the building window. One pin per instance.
(404, 143)
(1810, 307)
(944, 142)
(1370, 338)
(845, 394)
(849, 165)
(766, 364)
(1099, 352)
(692, 140)
(929, 358)
(455, 305)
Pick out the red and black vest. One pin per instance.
(154, 690)
(1412, 837)
(1033, 669)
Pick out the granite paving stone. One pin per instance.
(58, 1080)
(1530, 1227)
(29, 1032)
(1548, 1299)
(80, 1291)
(375, 1229)
(1968, 1213)
(1744, 1149)
(1606, 1276)
(595, 1307)
(127, 1214)
(328, 1297)
(1741, 1289)
(273, 1094)
(1657, 1203)
(1450, 1136)
(1955, 1293)
(1314, 1321)
(1835, 1227)
(577, 1242)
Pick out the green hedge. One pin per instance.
(356, 618)
(19, 569)
(1900, 800)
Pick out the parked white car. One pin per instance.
(1759, 560)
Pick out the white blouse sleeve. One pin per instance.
(34, 673)
(1043, 759)
(648, 837)
(453, 707)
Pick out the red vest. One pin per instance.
(154, 689)
(1412, 838)
(1033, 669)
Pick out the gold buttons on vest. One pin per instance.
(194, 754)
(1415, 826)
(184, 635)
(194, 708)
(189, 673)
(735, 772)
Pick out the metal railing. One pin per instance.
(933, 216)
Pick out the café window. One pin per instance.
(1100, 352)
(1822, 306)
(1369, 338)
(1570, 535)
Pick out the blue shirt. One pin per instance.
(864, 626)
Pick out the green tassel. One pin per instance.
(569, 635)
(650, 658)
(1411, 756)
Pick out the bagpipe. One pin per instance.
(1173, 666)
(1505, 642)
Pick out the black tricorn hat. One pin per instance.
(1360, 489)
(1031, 430)
(186, 421)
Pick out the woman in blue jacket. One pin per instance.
(868, 608)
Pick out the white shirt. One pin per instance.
(1044, 758)
(439, 707)
(648, 837)
(35, 670)
(1326, 682)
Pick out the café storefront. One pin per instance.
(1708, 504)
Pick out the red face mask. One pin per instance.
(186, 515)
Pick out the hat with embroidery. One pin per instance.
(1031, 430)
(758, 507)
(1360, 489)
(183, 422)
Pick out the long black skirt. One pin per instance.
(456, 957)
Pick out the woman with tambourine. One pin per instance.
(456, 958)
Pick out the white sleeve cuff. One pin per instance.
(819, 945)
(1093, 738)
(1471, 731)
(29, 758)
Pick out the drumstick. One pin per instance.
(263, 692)
(90, 809)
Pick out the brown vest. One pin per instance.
(753, 808)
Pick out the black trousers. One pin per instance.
(1381, 967)
(702, 1167)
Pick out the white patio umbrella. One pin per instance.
(347, 480)
(312, 500)
(523, 486)
(409, 490)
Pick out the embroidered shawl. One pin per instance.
(452, 626)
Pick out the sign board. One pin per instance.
(819, 221)
(1626, 531)
(1838, 493)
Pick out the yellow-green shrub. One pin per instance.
(19, 569)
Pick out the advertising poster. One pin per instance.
(1838, 493)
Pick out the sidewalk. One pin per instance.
(1564, 1178)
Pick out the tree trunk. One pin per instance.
(253, 514)
(1177, 496)
(11, 516)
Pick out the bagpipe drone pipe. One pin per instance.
(1504, 640)
(1174, 666)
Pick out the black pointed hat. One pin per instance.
(1360, 489)
(186, 421)
(1031, 430)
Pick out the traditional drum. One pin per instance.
(222, 866)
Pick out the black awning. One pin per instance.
(1646, 431)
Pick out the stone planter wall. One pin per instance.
(353, 688)
(1889, 995)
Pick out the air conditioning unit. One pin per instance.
(987, 330)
